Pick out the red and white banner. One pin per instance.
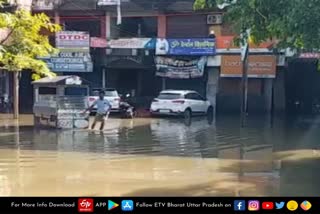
(73, 40)
(97, 42)
(310, 55)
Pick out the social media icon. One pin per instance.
(239, 205)
(267, 206)
(112, 205)
(305, 205)
(279, 205)
(85, 205)
(254, 205)
(292, 205)
(127, 205)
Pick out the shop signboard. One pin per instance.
(259, 66)
(45, 4)
(73, 40)
(110, 2)
(107, 2)
(180, 69)
(228, 42)
(70, 62)
(97, 42)
(194, 47)
(132, 43)
(310, 55)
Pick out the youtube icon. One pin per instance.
(267, 205)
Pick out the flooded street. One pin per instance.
(162, 157)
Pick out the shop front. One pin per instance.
(182, 63)
(129, 67)
(261, 74)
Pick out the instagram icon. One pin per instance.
(253, 205)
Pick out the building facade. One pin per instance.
(160, 45)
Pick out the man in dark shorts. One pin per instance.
(103, 108)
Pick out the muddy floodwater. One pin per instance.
(162, 157)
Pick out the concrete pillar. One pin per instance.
(279, 91)
(56, 18)
(103, 77)
(105, 33)
(268, 84)
(212, 85)
(106, 26)
(162, 26)
(7, 83)
(163, 83)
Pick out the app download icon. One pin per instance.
(279, 205)
(85, 205)
(292, 205)
(112, 205)
(239, 205)
(306, 205)
(127, 205)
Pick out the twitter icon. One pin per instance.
(280, 205)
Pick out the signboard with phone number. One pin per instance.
(70, 62)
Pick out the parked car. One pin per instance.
(180, 102)
(111, 95)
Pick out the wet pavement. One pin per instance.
(162, 157)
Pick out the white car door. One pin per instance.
(203, 104)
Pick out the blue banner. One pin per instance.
(187, 47)
(70, 62)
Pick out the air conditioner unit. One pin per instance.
(215, 19)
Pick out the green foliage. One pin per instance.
(292, 22)
(24, 41)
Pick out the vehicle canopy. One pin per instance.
(60, 81)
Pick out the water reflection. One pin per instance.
(162, 157)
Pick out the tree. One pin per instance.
(293, 23)
(23, 43)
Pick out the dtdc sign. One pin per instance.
(73, 39)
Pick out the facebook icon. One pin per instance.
(239, 205)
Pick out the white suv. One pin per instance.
(178, 102)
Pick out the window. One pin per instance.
(169, 96)
(91, 26)
(47, 91)
(193, 96)
(136, 27)
(75, 91)
(198, 97)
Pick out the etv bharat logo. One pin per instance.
(85, 205)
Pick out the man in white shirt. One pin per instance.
(103, 108)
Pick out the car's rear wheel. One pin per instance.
(187, 114)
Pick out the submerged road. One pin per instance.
(161, 157)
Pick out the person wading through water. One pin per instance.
(103, 108)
